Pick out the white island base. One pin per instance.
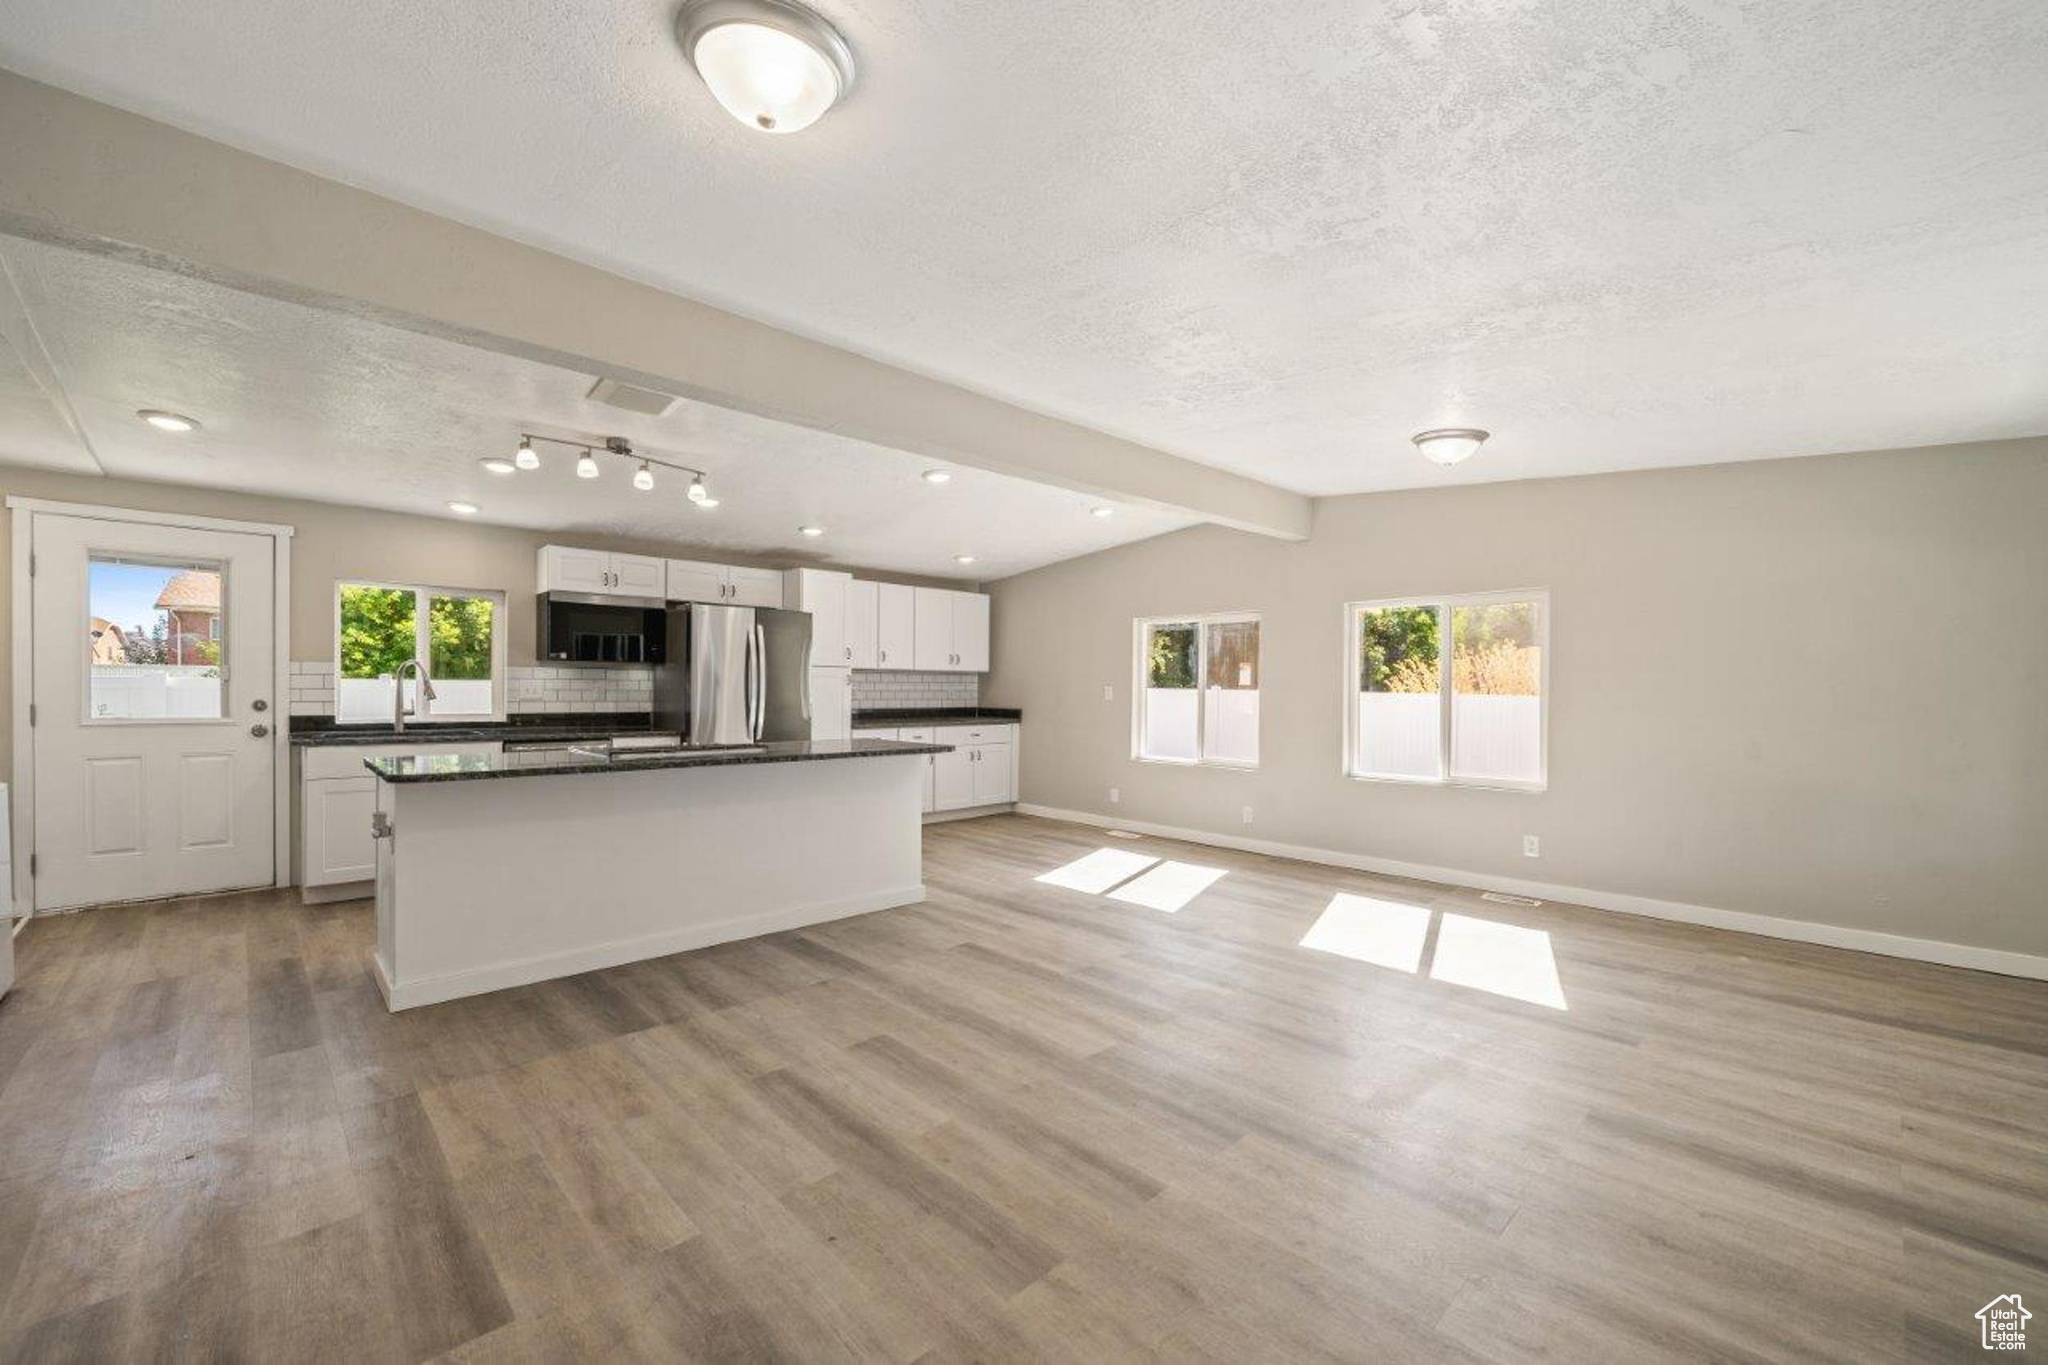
(497, 882)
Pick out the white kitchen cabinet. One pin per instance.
(914, 735)
(952, 631)
(566, 568)
(337, 856)
(980, 771)
(822, 593)
(895, 626)
(933, 613)
(831, 703)
(691, 580)
(970, 632)
(863, 605)
(754, 587)
(953, 780)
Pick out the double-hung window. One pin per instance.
(1197, 690)
(458, 634)
(1449, 689)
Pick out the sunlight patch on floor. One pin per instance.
(1384, 933)
(1096, 872)
(1168, 886)
(1505, 959)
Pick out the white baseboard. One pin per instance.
(939, 817)
(2030, 965)
(499, 976)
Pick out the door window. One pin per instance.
(154, 633)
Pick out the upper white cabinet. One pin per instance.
(863, 605)
(566, 568)
(895, 626)
(691, 580)
(831, 703)
(822, 593)
(951, 630)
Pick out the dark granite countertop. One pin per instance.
(886, 719)
(557, 763)
(596, 726)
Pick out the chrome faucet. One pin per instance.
(419, 670)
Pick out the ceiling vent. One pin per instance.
(612, 392)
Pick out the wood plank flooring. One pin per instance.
(1020, 1122)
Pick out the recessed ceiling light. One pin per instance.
(1102, 513)
(586, 466)
(526, 457)
(1448, 445)
(464, 509)
(167, 421)
(938, 476)
(963, 559)
(498, 465)
(812, 531)
(773, 64)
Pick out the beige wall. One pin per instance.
(1815, 689)
(330, 543)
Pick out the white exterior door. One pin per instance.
(153, 710)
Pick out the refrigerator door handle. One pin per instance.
(759, 643)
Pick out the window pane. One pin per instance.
(378, 633)
(1170, 692)
(153, 640)
(459, 644)
(1231, 691)
(1400, 711)
(1496, 682)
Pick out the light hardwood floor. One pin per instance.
(1018, 1122)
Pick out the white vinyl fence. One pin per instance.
(155, 692)
(1497, 737)
(1171, 723)
(362, 699)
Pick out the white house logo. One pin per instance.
(2005, 1323)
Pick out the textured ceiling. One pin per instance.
(302, 402)
(1277, 237)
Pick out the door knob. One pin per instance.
(260, 731)
(259, 705)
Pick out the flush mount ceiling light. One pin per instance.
(464, 509)
(937, 476)
(167, 421)
(963, 559)
(773, 64)
(1449, 445)
(812, 531)
(499, 466)
(526, 457)
(1102, 513)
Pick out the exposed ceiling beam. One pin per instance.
(88, 175)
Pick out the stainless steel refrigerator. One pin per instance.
(735, 675)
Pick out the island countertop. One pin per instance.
(410, 768)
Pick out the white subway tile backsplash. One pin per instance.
(528, 690)
(881, 688)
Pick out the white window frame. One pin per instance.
(422, 646)
(1201, 621)
(1353, 611)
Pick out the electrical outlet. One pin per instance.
(1532, 847)
(1108, 692)
(1247, 816)
(1115, 795)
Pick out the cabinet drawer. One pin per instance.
(916, 734)
(972, 734)
(346, 760)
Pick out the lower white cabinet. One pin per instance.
(981, 770)
(337, 856)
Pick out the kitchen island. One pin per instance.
(502, 869)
